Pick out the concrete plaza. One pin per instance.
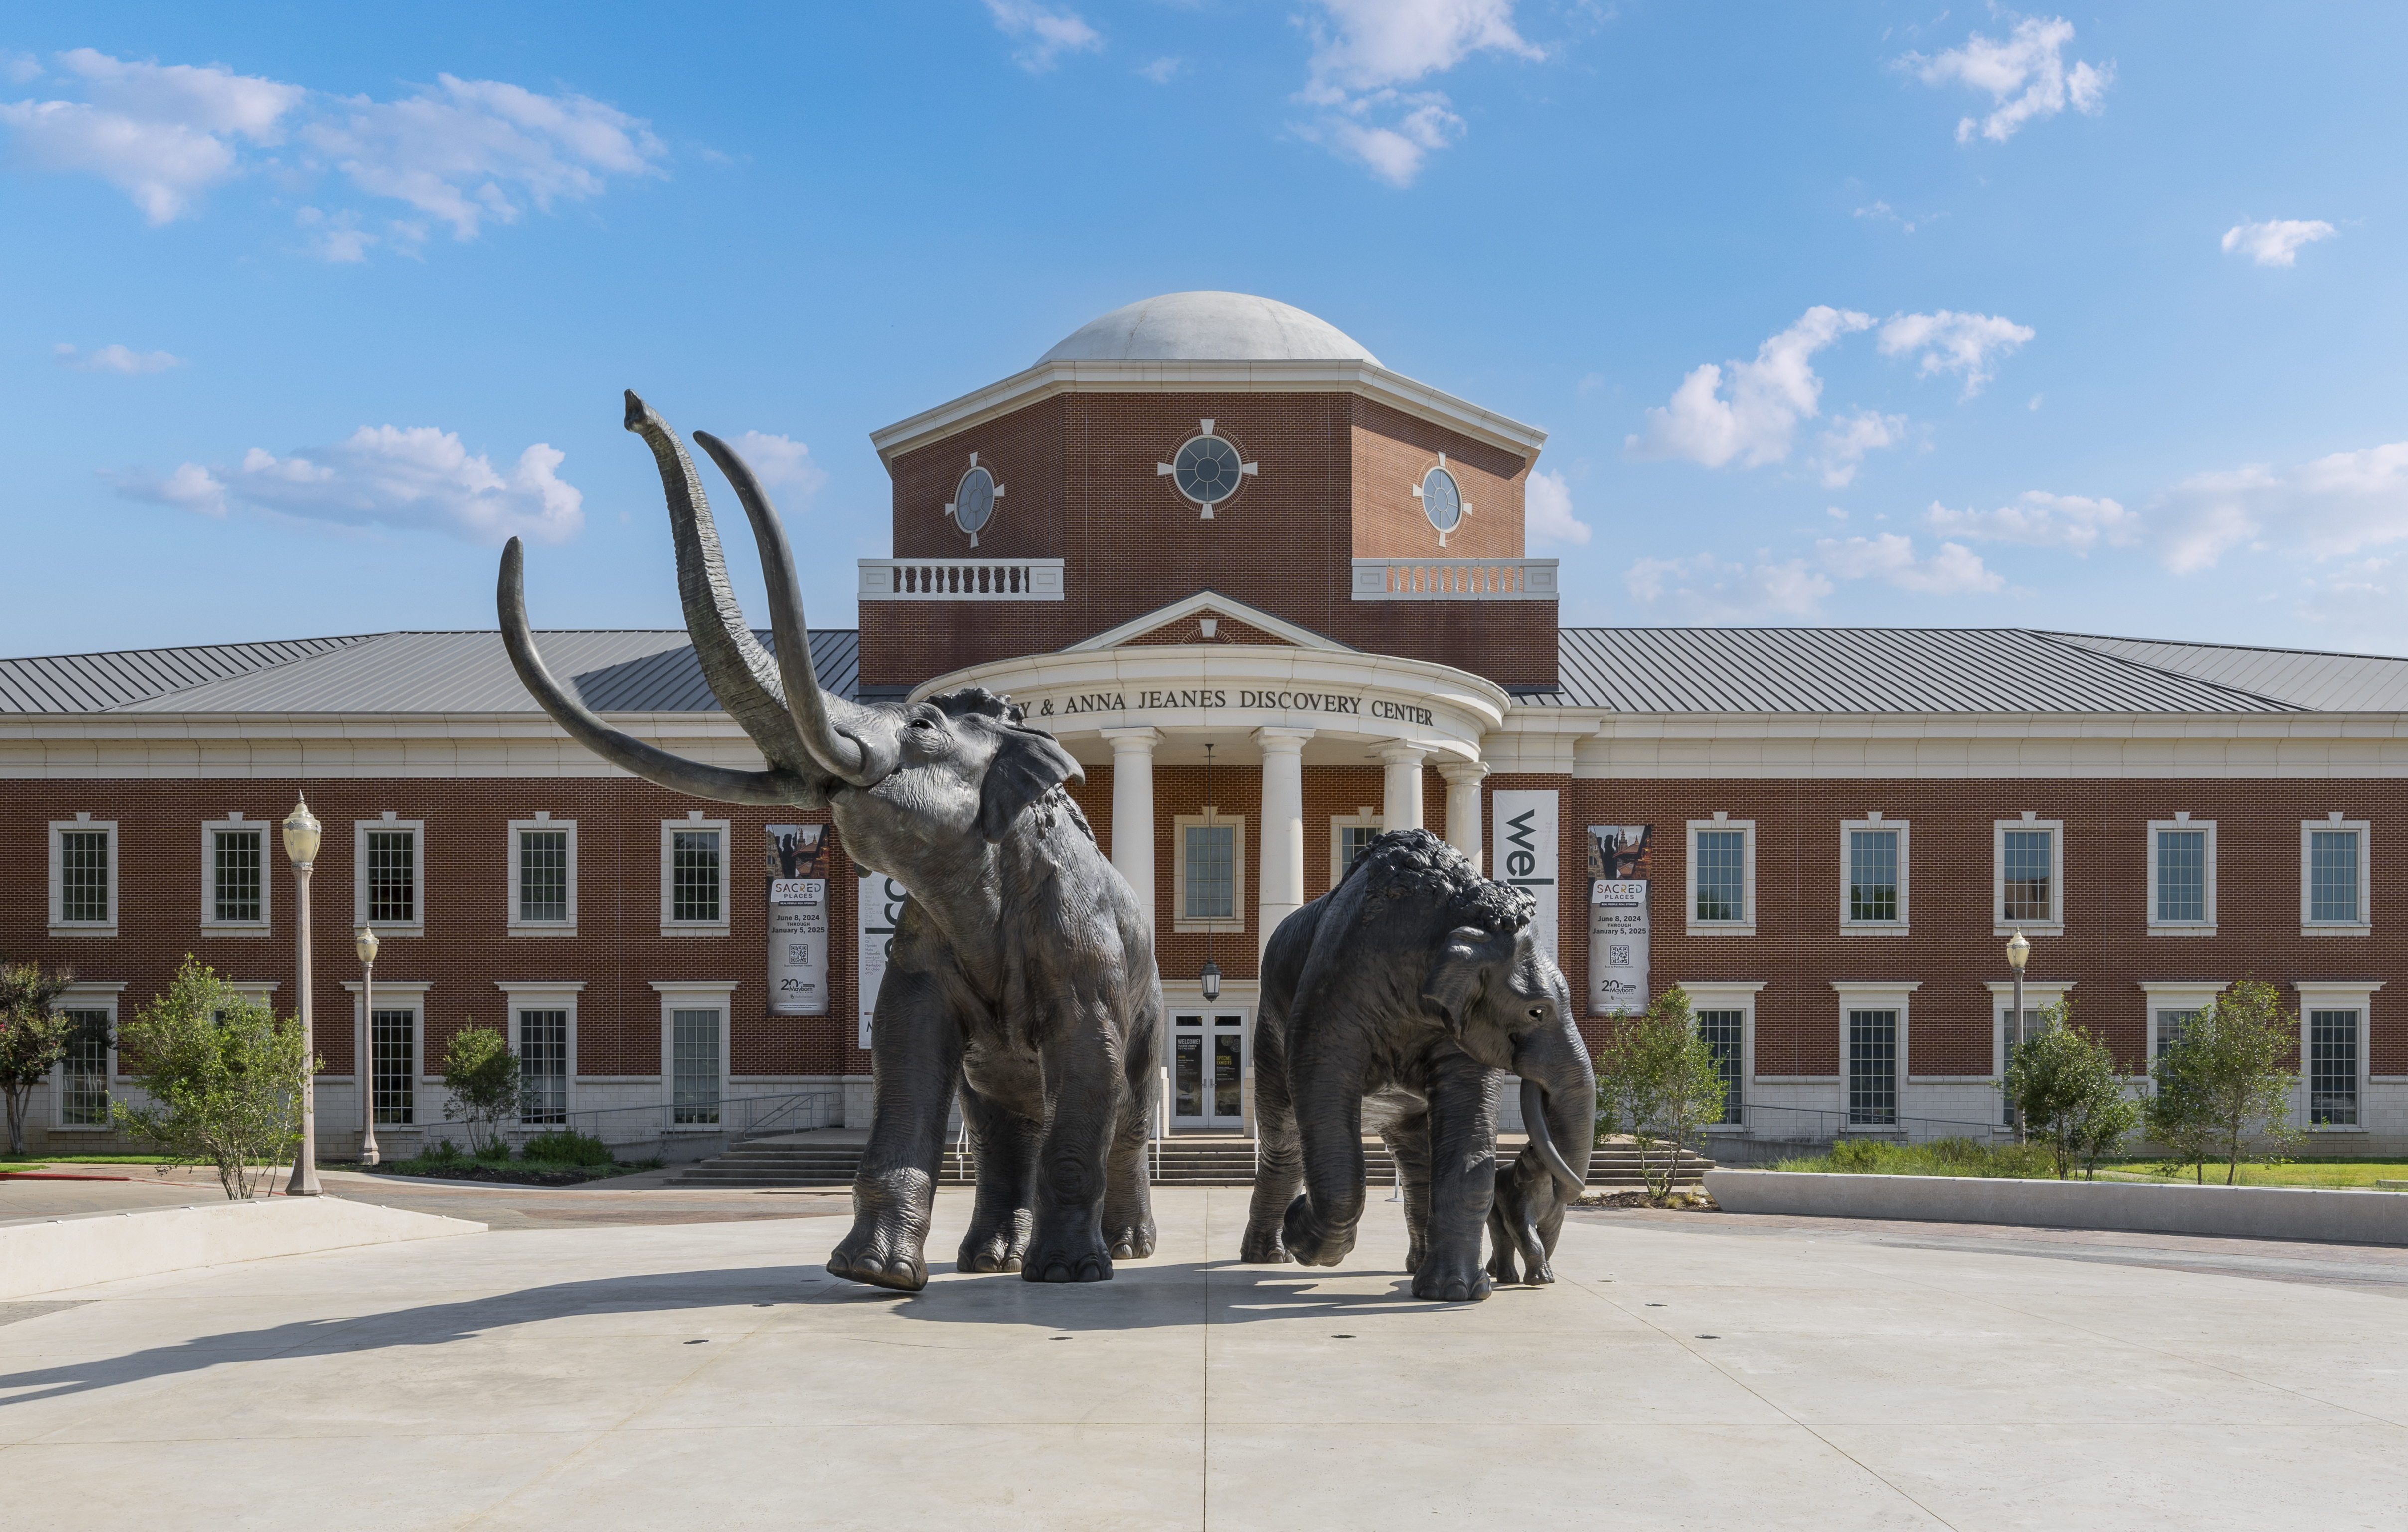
(1688, 1371)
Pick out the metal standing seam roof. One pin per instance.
(1874, 671)
(91, 683)
(2336, 683)
(614, 671)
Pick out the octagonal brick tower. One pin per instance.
(1208, 441)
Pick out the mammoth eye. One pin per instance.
(921, 724)
(1536, 1012)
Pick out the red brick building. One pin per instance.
(1209, 528)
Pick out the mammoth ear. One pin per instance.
(1028, 764)
(1455, 979)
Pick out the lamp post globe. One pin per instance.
(301, 836)
(363, 1061)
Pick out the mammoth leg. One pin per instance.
(1006, 1145)
(1083, 1099)
(1278, 1173)
(1327, 1087)
(915, 1063)
(1463, 1096)
(1408, 1141)
(1129, 1179)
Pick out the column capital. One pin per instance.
(1463, 773)
(1133, 741)
(1397, 755)
(1282, 741)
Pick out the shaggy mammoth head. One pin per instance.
(954, 764)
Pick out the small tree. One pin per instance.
(33, 1037)
(2067, 1093)
(1658, 1080)
(483, 1075)
(223, 1077)
(2177, 1114)
(2231, 1085)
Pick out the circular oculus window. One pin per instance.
(974, 500)
(1207, 470)
(1441, 500)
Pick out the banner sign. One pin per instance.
(1526, 852)
(877, 909)
(1617, 917)
(797, 865)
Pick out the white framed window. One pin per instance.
(1725, 1020)
(79, 1083)
(84, 877)
(1873, 1054)
(1350, 837)
(2172, 1006)
(1722, 877)
(543, 1033)
(1872, 877)
(694, 1050)
(1207, 872)
(2007, 1029)
(2334, 1017)
(694, 876)
(389, 861)
(543, 876)
(2182, 877)
(2027, 876)
(400, 1079)
(238, 876)
(2335, 864)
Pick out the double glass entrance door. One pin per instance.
(1208, 1070)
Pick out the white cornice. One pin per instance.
(1048, 378)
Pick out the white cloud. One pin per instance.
(1889, 558)
(114, 359)
(465, 152)
(2038, 519)
(2278, 241)
(1767, 398)
(16, 68)
(1970, 345)
(1363, 50)
(1044, 33)
(1547, 510)
(1706, 589)
(2332, 507)
(2362, 601)
(2025, 76)
(780, 463)
(1844, 446)
(1161, 70)
(415, 479)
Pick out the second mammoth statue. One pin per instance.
(1400, 1001)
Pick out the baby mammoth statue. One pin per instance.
(1401, 1000)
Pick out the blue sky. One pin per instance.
(1863, 313)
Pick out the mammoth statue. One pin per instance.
(1401, 1000)
(1022, 974)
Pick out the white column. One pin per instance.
(1133, 810)
(1281, 855)
(1403, 808)
(1463, 778)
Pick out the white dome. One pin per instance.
(1208, 327)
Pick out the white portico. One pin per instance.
(1302, 700)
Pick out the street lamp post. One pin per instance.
(362, 1054)
(301, 832)
(2018, 954)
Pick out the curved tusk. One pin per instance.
(622, 750)
(855, 759)
(1543, 1138)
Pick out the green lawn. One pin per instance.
(1968, 1157)
(2328, 1173)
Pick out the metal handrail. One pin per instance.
(738, 1118)
(1829, 1123)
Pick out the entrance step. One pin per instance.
(1194, 1161)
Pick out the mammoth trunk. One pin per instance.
(1558, 1106)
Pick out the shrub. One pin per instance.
(496, 1149)
(483, 1075)
(223, 1076)
(566, 1146)
(2222, 1081)
(2066, 1091)
(1938, 1157)
(32, 1038)
(1657, 1079)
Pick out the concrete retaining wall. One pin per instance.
(2258, 1212)
(47, 1257)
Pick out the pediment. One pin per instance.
(1180, 622)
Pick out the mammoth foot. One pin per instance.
(880, 1254)
(1068, 1248)
(1134, 1243)
(1446, 1280)
(998, 1251)
(1263, 1247)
